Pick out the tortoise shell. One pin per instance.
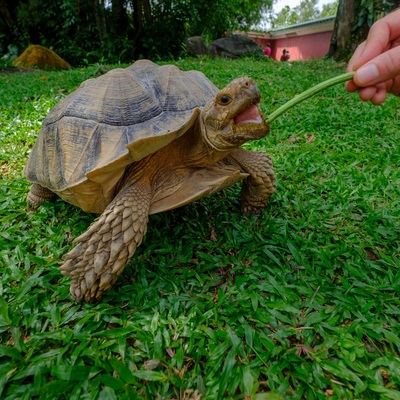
(89, 138)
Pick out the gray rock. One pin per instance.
(195, 46)
(234, 46)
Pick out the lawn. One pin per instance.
(301, 302)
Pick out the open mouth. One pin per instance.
(251, 115)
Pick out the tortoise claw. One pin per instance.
(249, 210)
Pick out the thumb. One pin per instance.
(381, 69)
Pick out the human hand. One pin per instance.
(376, 61)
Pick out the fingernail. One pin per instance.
(366, 74)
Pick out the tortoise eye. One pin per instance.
(224, 100)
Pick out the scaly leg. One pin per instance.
(260, 185)
(38, 194)
(105, 248)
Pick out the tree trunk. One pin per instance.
(6, 15)
(141, 17)
(343, 43)
(351, 29)
(120, 19)
(141, 14)
(99, 9)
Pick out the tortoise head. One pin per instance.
(233, 116)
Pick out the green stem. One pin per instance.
(309, 93)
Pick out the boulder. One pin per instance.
(234, 46)
(195, 46)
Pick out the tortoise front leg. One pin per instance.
(104, 249)
(260, 185)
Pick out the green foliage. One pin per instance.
(307, 10)
(84, 32)
(218, 17)
(285, 17)
(211, 19)
(301, 302)
(63, 25)
(165, 33)
(330, 9)
(372, 10)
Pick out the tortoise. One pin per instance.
(139, 141)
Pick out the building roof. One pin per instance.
(320, 21)
(301, 29)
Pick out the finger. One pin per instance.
(394, 86)
(383, 68)
(367, 93)
(379, 97)
(381, 34)
(351, 86)
(355, 57)
(375, 94)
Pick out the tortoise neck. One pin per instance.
(198, 151)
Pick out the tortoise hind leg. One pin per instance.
(38, 194)
(260, 185)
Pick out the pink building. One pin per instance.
(305, 41)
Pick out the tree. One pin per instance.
(307, 10)
(212, 18)
(353, 20)
(285, 17)
(329, 10)
(120, 30)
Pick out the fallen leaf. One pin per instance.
(213, 235)
(294, 139)
(309, 137)
(151, 364)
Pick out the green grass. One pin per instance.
(301, 302)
